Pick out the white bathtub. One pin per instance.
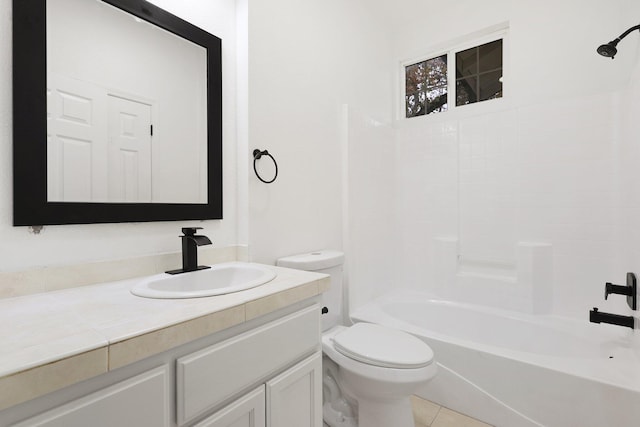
(511, 369)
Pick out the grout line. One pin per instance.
(436, 417)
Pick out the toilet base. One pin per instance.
(337, 411)
(396, 413)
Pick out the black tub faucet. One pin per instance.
(190, 243)
(596, 316)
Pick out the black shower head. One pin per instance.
(609, 50)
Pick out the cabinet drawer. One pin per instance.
(209, 376)
(141, 401)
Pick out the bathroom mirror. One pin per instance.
(117, 114)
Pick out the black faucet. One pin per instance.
(596, 316)
(630, 290)
(190, 243)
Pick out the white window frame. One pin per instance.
(500, 31)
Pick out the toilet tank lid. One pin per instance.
(312, 261)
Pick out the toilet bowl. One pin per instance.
(376, 367)
(380, 368)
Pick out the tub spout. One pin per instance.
(596, 316)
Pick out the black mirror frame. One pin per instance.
(30, 204)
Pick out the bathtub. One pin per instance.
(516, 370)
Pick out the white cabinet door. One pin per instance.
(214, 374)
(141, 401)
(248, 411)
(294, 398)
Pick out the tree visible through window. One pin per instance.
(478, 77)
(426, 87)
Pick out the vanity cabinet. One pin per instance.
(141, 401)
(264, 373)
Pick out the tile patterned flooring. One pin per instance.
(429, 414)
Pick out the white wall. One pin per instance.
(548, 163)
(71, 244)
(307, 59)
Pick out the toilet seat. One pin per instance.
(383, 347)
(388, 376)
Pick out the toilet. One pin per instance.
(369, 371)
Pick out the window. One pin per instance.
(426, 87)
(478, 77)
(479, 73)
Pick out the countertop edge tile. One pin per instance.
(43, 354)
(26, 385)
(324, 284)
(137, 348)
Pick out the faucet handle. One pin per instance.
(630, 290)
(610, 288)
(190, 231)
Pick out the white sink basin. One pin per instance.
(219, 279)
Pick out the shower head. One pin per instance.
(609, 50)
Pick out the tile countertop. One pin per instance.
(55, 339)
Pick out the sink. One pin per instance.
(219, 279)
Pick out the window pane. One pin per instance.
(416, 104)
(467, 62)
(437, 71)
(490, 85)
(466, 91)
(426, 87)
(479, 72)
(415, 77)
(490, 56)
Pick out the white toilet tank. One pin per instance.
(328, 262)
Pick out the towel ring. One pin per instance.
(257, 154)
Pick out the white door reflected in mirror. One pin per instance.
(129, 165)
(110, 77)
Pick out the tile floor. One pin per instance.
(429, 414)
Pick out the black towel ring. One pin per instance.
(257, 154)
